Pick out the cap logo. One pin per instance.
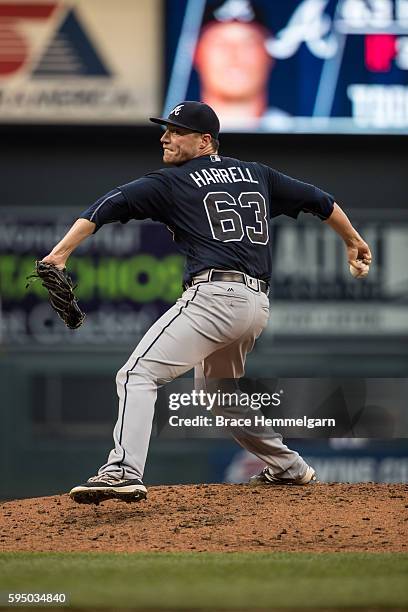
(177, 110)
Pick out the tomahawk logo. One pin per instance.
(177, 110)
(68, 52)
(309, 24)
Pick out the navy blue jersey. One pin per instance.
(218, 209)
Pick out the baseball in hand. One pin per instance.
(361, 272)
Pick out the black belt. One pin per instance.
(255, 284)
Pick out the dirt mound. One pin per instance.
(321, 517)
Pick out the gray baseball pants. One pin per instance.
(211, 327)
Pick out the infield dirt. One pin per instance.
(320, 517)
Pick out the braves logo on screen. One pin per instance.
(380, 23)
(68, 52)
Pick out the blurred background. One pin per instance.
(317, 89)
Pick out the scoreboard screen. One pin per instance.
(311, 66)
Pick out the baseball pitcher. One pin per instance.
(219, 210)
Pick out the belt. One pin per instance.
(207, 276)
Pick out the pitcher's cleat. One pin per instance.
(267, 478)
(108, 486)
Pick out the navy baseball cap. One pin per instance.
(194, 116)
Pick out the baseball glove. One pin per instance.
(61, 292)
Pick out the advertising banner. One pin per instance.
(313, 293)
(128, 275)
(335, 460)
(79, 61)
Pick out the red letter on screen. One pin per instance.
(379, 52)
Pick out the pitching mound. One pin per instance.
(322, 517)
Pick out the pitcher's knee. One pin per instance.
(121, 377)
(134, 375)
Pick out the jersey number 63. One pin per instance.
(226, 222)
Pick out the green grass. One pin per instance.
(209, 580)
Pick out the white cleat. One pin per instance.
(267, 478)
(108, 486)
